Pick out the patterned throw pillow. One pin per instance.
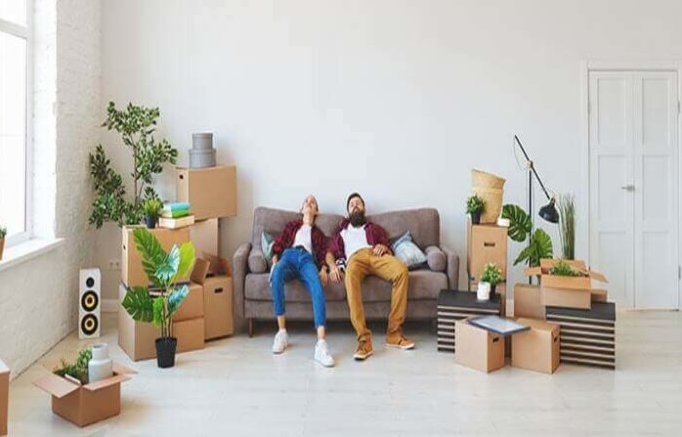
(408, 252)
(266, 242)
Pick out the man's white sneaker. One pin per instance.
(322, 354)
(281, 342)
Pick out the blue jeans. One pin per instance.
(297, 263)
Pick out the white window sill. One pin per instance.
(27, 250)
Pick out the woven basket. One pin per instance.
(493, 203)
(482, 179)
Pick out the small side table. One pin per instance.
(456, 305)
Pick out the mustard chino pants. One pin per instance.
(387, 267)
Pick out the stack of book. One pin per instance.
(176, 215)
(457, 305)
(588, 336)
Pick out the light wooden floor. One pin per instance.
(236, 387)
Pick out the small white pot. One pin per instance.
(483, 292)
(100, 366)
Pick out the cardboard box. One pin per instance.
(193, 305)
(477, 348)
(205, 235)
(600, 296)
(4, 397)
(211, 192)
(89, 403)
(485, 244)
(132, 273)
(137, 339)
(190, 334)
(538, 348)
(566, 291)
(528, 301)
(216, 276)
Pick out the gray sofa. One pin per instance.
(252, 293)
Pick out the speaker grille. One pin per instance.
(89, 324)
(89, 300)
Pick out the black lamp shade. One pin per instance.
(549, 212)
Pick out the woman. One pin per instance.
(299, 253)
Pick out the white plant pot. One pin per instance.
(483, 291)
(100, 366)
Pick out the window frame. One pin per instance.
(25, 32)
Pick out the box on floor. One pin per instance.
(215, 275)
(566, 291)
(478, 348)
(211, 191)
(89, 403)
(132, 273)
(137, 339)
(4, 397)
(204, 234)
(536, 349)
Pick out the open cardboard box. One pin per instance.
(215, 275)
(4, 397)
(89, 403)
(566, 291)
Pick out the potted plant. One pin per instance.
(157, 307)
(567, 225)
(491, 275)
(77, 370)
(562, 268)
(152, 209)
(3, 233)
(475, 207)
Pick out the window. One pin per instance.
(15, 98)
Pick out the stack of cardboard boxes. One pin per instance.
(206, 313)
(487, 244)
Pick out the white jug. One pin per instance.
(483, 292)
(100, 366)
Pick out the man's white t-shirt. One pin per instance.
(354, 239)
(304, 238)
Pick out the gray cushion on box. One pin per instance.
(257, 262)
(436, 259)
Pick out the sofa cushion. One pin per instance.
(423, 284)
(409, 253)
(257, 262)
(436, 259)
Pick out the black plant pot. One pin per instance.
(492, 290)
(150, 221)
(476, 218)
(165, 351)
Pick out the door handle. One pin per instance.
(628, 187)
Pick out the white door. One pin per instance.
(634, 185)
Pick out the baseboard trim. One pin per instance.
(110, 305)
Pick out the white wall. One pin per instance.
(38, 298)
(398, 99)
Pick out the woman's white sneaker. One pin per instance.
(281, 341)
(322, 354)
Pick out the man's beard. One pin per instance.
(357, 218)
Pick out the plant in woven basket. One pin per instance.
(79, 369)
(136, 125)
(562, 268)
(567, 225)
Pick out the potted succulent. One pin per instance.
(491, 275)
(152, 210)
(158, 306)
(475, 207)
(3, 233)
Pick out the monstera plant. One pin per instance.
(158, 306)
(520, 226)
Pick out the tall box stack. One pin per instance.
(4, 397)
(486, 244)
(588, 336)
(458, 305)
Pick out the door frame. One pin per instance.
(585, 67)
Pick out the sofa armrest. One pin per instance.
(452, 269)
(436, 259)
(240, 269)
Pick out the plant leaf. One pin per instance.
(138, 304)
(158, 312)
(153, 255)
(520, 223)
(168, 269)
(187, 258)
(175, 299)
(543, 245)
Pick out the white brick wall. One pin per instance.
(38, 299)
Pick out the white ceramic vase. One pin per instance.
(100, 366)
(483, 291)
